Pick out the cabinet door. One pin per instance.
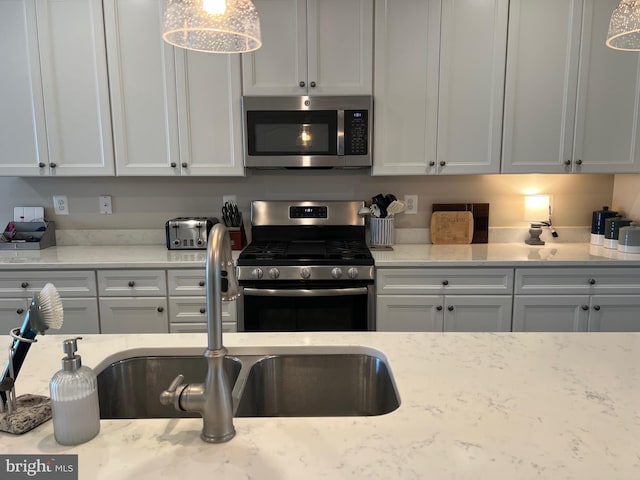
(406, 86)
(134, 315)
(22, 125)
(541, 83)
(614, 313)
(80, 317)
(340, 47)
(550, 313)
(278, 67)
(608, 114)
(209, 113)
(74, 79)
(143, 90)
(477, 313)
(409, 313)
(472, 64)
(12, 312)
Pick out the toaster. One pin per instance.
(189, 233)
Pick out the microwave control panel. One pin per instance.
(356, 132)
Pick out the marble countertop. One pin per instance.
(409, 255)
(499, 406)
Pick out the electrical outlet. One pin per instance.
(60, 205)
(232, 199)
(105, 205)
(412, 204)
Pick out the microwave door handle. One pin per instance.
(340, 132)
(321, 292)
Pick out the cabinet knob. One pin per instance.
(450, 308)
(185, 164)
(312, 84)
(132, 283)
(24, 284)
(592, 281)
(203, 310)
(53, 165)
(567, 162)
(174, 164)
(201, 283)
(578, 162)
(442, 163)
(439, 308)
(596, 308)
(42, 165)
(585, 307)
(432, 163)
(160, 309)
(20, 311)
(445, 282)
(302, 84)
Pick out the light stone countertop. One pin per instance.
(403, 255)
(491, 406)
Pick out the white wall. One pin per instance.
(626, 196)
(146, 203)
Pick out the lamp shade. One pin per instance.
(215, 26)
(624, 26)
(536, 208)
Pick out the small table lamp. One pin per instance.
(536, 211)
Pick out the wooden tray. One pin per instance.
(451, 227)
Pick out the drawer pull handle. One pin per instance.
(203, 310)
(201, 283)
(596, 308)
(439, 308)
(592, 281)
(132, 283)
(585, 307)
(20, 311)
(161, 309)
(445, 282)
(24, 284)
(450, 308)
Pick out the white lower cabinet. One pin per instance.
(134, 315)
(444, 299)
(577, 300)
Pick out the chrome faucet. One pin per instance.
(212, 399)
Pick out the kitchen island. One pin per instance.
(499, 406)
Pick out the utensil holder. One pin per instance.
(382, 232)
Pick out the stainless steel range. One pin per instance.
(307, 268)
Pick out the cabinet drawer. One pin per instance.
(199, 327)
(186, 282)
(545, 281)
(417, 281)
(68, 283)
(192, 309)
(132, 283)
(133, 315)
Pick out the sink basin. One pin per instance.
(285, 381)
(318, 386)
(130, 388)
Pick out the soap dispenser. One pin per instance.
(74, 399)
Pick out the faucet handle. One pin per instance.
(171, 394)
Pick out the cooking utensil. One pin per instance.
(395, 207)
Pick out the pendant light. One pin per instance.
(215, 26)
(624, 27)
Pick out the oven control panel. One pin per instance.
(308, 212)
(344, 272)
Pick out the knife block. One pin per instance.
(238, 237)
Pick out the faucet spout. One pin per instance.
(212, 399)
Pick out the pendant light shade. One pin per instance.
(215, 26)
(624, 27)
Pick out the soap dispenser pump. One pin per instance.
(74, 399)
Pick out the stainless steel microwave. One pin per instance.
(307, 132)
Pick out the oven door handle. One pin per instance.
(301, 292)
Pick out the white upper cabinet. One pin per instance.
(55, 118)
(571, 103)
(439, 86)
(312, 47)
(174, 112)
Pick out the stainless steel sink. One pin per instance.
(318, 386)
(130, 388)
(304, 382)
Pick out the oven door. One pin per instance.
(322, 307)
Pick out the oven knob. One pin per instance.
(256, 274)
(274, 273)
(336, 273)
(352, 272)
(305, 272)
